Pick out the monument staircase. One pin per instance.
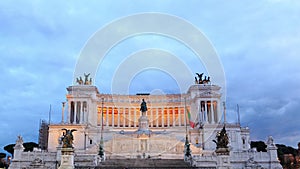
(140, 164)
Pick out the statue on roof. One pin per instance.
(199, 80)
(19, 140)
(19, 143)
(86, 79)
(270, 142)
(79, 81)
(196, 80)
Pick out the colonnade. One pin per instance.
(209, 111)
(77, 112)
(158, 116)
(128, 116)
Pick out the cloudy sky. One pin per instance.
(258, 44)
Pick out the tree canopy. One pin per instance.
(28, 146)
(9, 148)
(2, 155)
(259, 145)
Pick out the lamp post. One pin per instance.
(187, 150)
(101, 150)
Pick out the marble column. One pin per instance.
(202, 111)
(168, 117)
(75, 112)
(81, 113)
(107, 117)
(157, 117)
(185, 114)
(112, 124)
(212, 112)
(118, 117)
(205, 111)
(174, 121)
(124, 117)
(134, 123)
(69, 112)
(162, 118)
(151, 117)
(217, 110)
(179, 115)
(129, 118)
(86, 111)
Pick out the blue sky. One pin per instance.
(257, 42)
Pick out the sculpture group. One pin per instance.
(222, 139)
(67, 138)
(200, 80)
(86, 81)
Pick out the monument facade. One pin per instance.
(151, 126)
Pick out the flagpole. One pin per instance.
(196, 121)
(101, 149)
(238, 111)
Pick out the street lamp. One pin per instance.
(101, 150)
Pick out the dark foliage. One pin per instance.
(286, 149)
(2, 155)
(283, 149)
(28, 147)
(10, 148)
(259, 145)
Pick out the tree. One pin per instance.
(10, 148)
(2, 155)
(28, 146)
(259, 145)
(282, 150)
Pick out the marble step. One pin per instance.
(141, 164)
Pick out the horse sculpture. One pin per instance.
(79, 81)
(86, 79)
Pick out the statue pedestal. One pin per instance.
(223, 162)
(67, 158)
(143, 123)
(143, 132)
(223, 158)
(222, 151)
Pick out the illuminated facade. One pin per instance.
(112, 122)
(167, 116)
(122, 111)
